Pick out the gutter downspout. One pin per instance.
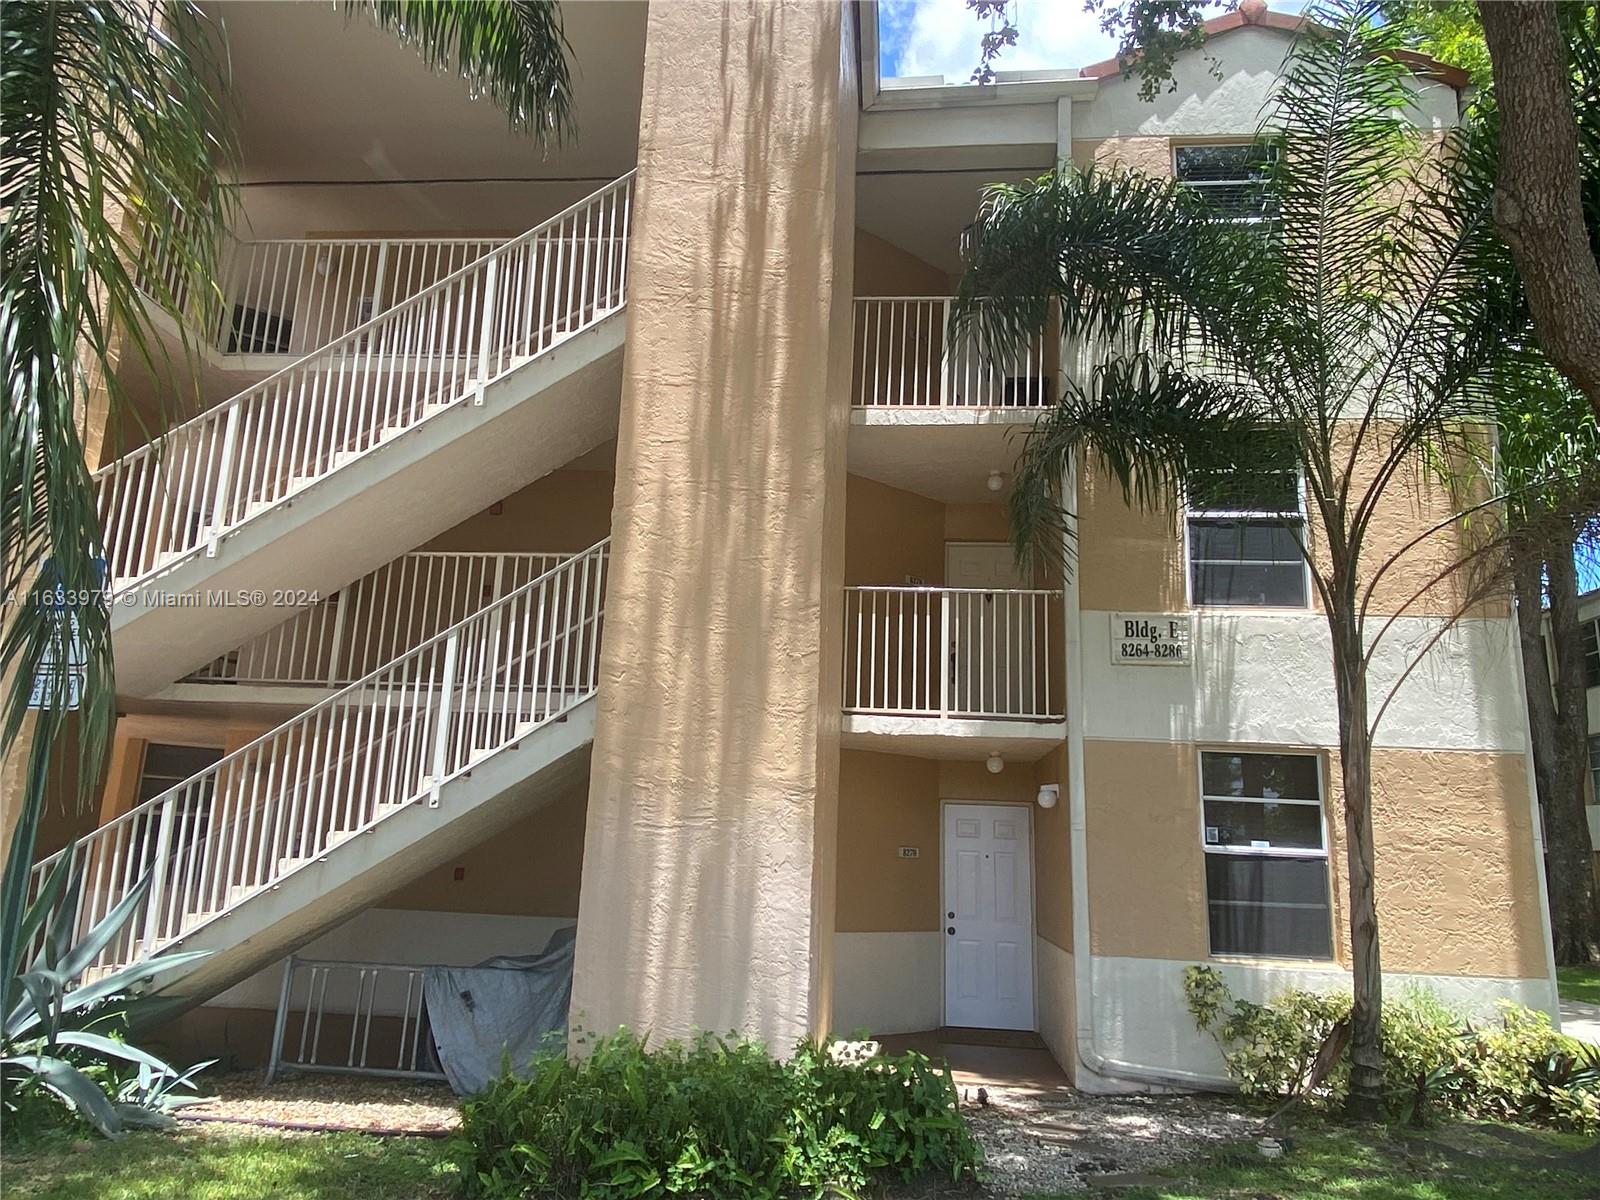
(1082, 956)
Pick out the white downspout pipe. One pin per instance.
(1082, 951)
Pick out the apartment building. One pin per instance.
(615, 539)
(1589, 620)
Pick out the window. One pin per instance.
(1594, 769)
(1266, 857)
(1245, 531)
(1230, 178)
(1591, 653)
(166, 766)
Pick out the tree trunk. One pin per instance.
(1538, 207)
(1574, 918)
(1365, 1102)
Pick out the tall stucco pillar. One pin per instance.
(707, 897)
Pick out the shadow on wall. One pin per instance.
(725, 571)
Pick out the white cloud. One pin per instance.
(941, 37)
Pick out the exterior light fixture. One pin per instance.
(995, 763)
(1049, 793)
(996, 481)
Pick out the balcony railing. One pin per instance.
(392, 738)
(952, 652)
(904, 359)
(377, 618)
(291, 295)
(178, 495)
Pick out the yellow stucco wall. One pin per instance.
(707, 890)
(1457, 893)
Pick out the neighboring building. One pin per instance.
(650, 573)
(1589, 620)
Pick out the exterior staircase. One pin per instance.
(391, 433)
(385, 779)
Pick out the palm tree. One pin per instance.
(1352, 331)
(116, 139)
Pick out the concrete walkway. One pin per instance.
(1581, 1020)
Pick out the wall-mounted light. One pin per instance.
(1049, 793)
(996, 481)
(995, 763)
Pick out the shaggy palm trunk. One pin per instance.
(1365, 1101)
(1557, 720)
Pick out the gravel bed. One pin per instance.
(328, 1101)
(1064, 1140)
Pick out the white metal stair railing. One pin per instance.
(178, 495)
(391, 739)
(952, 652)
(291, 295)
(362, 626)
(904, 360)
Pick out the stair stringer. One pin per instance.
(352, 876)
(534, 419)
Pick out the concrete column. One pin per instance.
(707, 895)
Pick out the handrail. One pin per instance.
(980, 653)
(906, 357)
(180, 493)
(391, 738)
(367, 622)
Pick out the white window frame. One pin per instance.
(1591, 638)
(1268, 852)
(1199, 186)
(1238, 514)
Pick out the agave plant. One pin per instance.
(48, 1023)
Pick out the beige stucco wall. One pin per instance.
(883, 269)
(707, 889)
(568, 510)
(887, 801)
(1455, 861)
(1151, 155)
(531, 868)
(1052, 855)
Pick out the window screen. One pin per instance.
(1594, 769)
(1245, 533)
(1230, 178)
(1266, 859)
(1591, 654)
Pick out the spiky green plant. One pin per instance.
(1357, 324)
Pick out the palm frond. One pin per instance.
(1125, 256)
(1345, 147)
(513, 51)
(113, 141)
(1150, 425)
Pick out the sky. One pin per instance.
(940, 37)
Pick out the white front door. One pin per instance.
(991, 633)
(988, 916)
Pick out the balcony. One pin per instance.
(359, 628)
(953, 672)
(927, 414)
(288, 296)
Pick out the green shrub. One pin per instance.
(1435, 1060)
(715, 1117)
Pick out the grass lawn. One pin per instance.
(1579, 983)
(212, 1166)
(1454, 1162)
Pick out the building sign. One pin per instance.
(1150, 639)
